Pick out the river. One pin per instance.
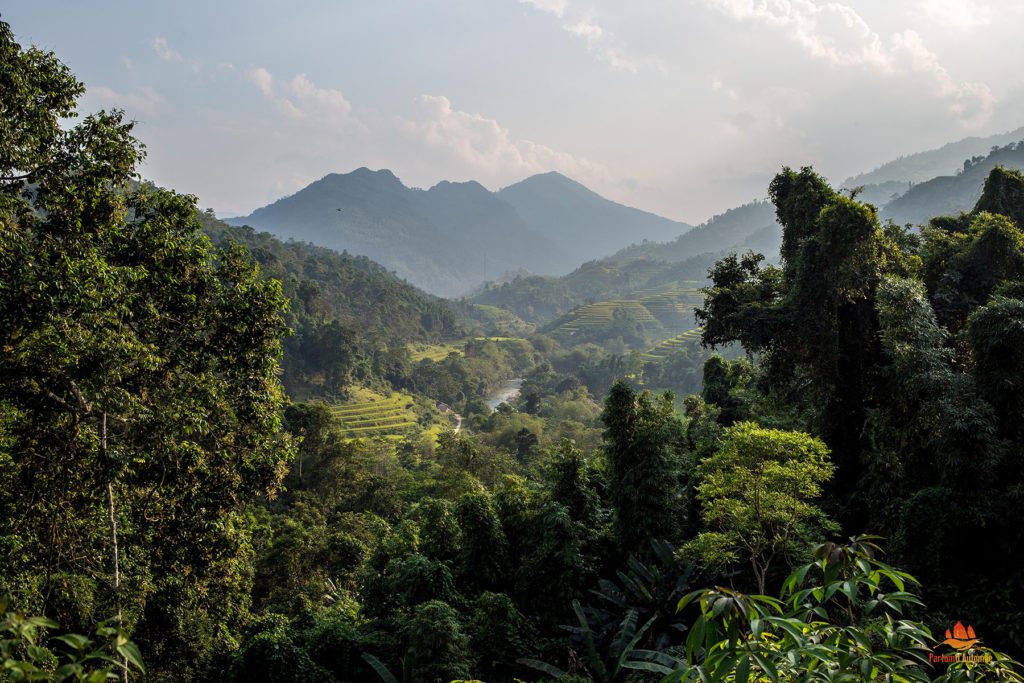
(508, 390)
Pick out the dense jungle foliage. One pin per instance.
(202, 517)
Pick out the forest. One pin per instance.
(228, 457)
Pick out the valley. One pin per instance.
(506, 430)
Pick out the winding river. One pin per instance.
(508, 390)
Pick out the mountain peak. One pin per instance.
(363, 172)
(363, 175)
(549, 179)
(470, 187)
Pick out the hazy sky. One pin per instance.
(683, 107)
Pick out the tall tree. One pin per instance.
(139, 387)
(642, 444)
(815, 321)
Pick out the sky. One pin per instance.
(681, 107)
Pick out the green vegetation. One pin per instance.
(380, 416)
(539, 300)
(951, 194)
(232, 464)
(434, 352)
(664, 349)
(736, 228)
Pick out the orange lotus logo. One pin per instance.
(961, 639)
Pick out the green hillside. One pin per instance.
(663, 349)
(453, 236)
(544, 299)
(635, 321)
(943, 161)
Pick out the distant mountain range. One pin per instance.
(944, 161)
(910, 190)
(452, 237)
(950, 194)
(751, 226)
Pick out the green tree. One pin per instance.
(756, 495)
(814, 320)
(996, 335)
(140, 367)
(438, 649)
(642, 439)
(29, 653)
(483, 560)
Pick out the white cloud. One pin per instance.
(959, 14)
(836, 33)
(262, 79)
(313, 129)
(164, 50)
(485, 145)
(972, 103)
(299, 98)
(144, 101)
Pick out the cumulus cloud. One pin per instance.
(262, 79)
(471, 140)
(298, 97)
(836, 33)
(487, 146)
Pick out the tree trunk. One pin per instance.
(113, 543)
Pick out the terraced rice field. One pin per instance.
(677, 287)
(664, 349)
(434, 352)
(669, 307)
(602, 312)
(390, 416)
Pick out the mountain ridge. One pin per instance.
(451, 237)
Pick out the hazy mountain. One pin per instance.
(454, 236)
(583, 223)
(488, 229)
(943, 161)
(369, 213)
(950, 194)
(731, 230)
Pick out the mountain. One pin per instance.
(753, 222)
(944, 161)
(540, 299)
(951, 194)
(370, 213)
(583, 222)
(453, 236)
(324, 285)
(480, 223)
(345, 312)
